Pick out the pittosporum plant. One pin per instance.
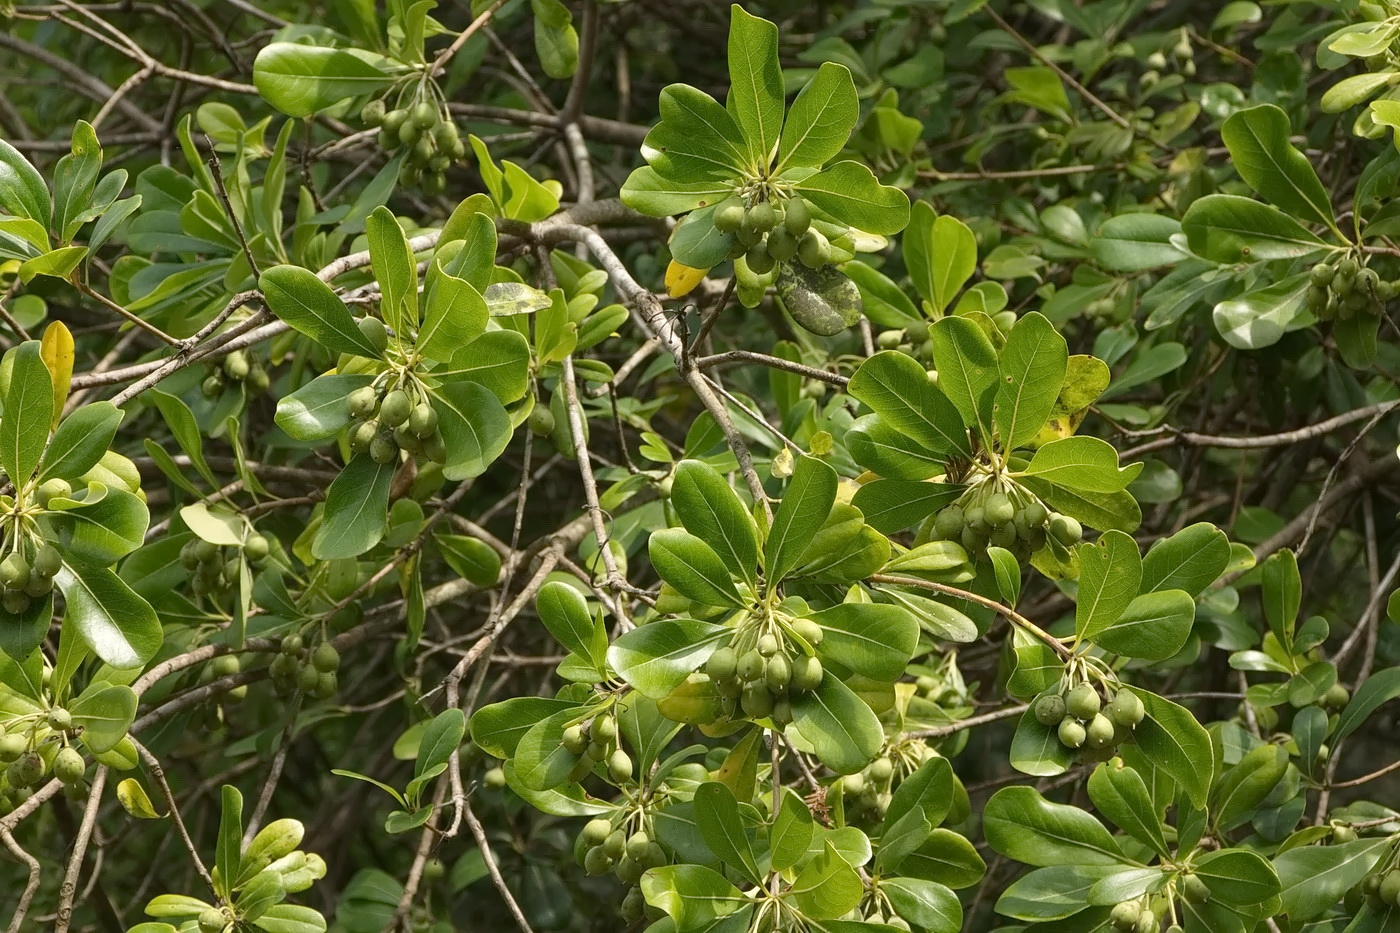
(934, 469)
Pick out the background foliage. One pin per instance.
(803, 466)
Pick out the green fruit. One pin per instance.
(395, 408)
(1347, 268)
(15, 603)
(1004, 536)
(1336, 697)
(782, 246)
(975, 520)
(362, 437)
(1100, 732)
(394, 121)
(949, 522)
(808, 631)
(1082, 701)
(1124, 916)
(729, 216)
(574, 740)
(1367, 280)
(68, 766)
(723, 664)
(52, 489)
(760, 261)
(373, 113)
(374, 331)
(1343, 833)
(782, 712)
(1126, 709)
(361, 401)
(236, 365)
(761, 217)
(1389, 890)
(38, 586)
(637, 845)
(1071, 733)
(813, 249)
(1065, 529)
(595, 831)
(188, 558)
(434, 183)
(1050, 710)
(1035, 513)
(224, 665)
(541, 421)
(778, 672)
(596, 861)
(998, 509)
(628, 871)
(797, 217)
(14, 571)
(1321, 274)
(212, 920)
(757, 701)
(423, 420)
(620, 766)
(256, 548)
(768, 645)
(615, 845)
(59, 719)
(806, 673)
(880, 770)
(424, 114)
(751, 665)
(29, 769)
(325, 658)
(292, 645)
(604, 729)
(308, 677)
(494, 778)
(1194, 889)
(1317, 297)
(11, 747)
(383, 450)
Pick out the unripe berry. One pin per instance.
(68, 766)
(1082, 701)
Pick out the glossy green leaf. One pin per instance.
(1154, 626)
(898, 389)
(1190, 560)
(1260, 149)
(318, 410)
(820, 119)
(839, 726)
(849, 192)
(656, 658)
(967, 368)
(804, 507)
(475, 427)
(1172, 739)
(717, 815)
(356, 504)
(1023, 825)
(1110, 571)
(300, 80)
(1119, 793)
(712, 511)
(755, 84)
(926, 903)
(1033, 364)
(1228, 228)
(1313, 879)
(22, 189)
(120, 627)
(1084, 463)
(28, 412)
(692, 568)
(104, 713)
(308, 305)
(792, 832)
(1244, 785)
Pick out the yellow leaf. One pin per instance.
(57, 351)
(682, 279)
(134, 800)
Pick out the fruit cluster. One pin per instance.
(1137, 916)
(758, 673)
(238, 367)
(215, 568)
(1083, 721)
(1382, 889)
(1344, 289)
(868, 792)
(295, 669)
(770, 232)
(26, 578)
(593, 741)
(389, 420)
(606, 848)
(26, 768)
(1012, 518)
(424, 132)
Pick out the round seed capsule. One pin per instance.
(620, 766)
(423, 420)
(1100, 732)
(52, 489)
(797, 217)
(1082, 701)
(595, 831)
(729, 216)
(1071, 733)
(395, 408)
(998, 509)
(1050, 710)
(68, 766)
(424, 114)
(383, 450)
(723, 664)
(813, 249)
(374, 331)
(806, 673)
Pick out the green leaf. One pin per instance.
(28, 412)
(455, 312)
(498, 728)
(947, 858)
(826, 887)
(804, 508)
(1021, 824)
(291, 918)
(696, 140)
(499, 360)
(1238, 877)
(1237, 795)
(228, 857)
(317, 410)
(1282, 589)
(1036, 748)
(755, 84)
(105, 713)
(898, 389)
(883, 449)
(22, 189)
(891, 505)
(356, 505)
(1190, 560)
(1119, 793)
(698, 243)
(656, 658)
(21, 634)
(1082, 462)
(556, 40)
(696, 897)
(709, 509)
(838, 725)
(1033, 365)
(541, 761)
(120, 627)
(1136, 242)
(1313, 879)
(300, 80)
(394, 270)
(871, 639)
(475, 427)
(1154, 626)
(792, 832)
(967, 368)
(1172, 739)
(1258, 142)
(1378, 689)
(820, 119)
(308, 305)
(692, 568)
(717, 815)
(930, 788)
(186, 430)
(564, 612)
(1261, 317)
(1227, 228)
(648, 191)
(73, 179)
(850, 193)
(928, 904)
(1110, 571)
(80, 441)
(1054, 893)
(941, 253)
(58, 263)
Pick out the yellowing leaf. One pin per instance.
(56, 349)
(134, 800)
(682, 279)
